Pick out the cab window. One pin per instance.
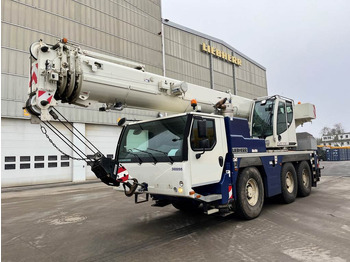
(198, 141)
(281, 118)
(289, 107)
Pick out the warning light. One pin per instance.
(64, 40)
(192, 192)
(299, 103)
(194, 103)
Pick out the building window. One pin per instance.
(24, 158)
(24, 166)
(10, 166)
(52, 158)
(10, 159)
(39, 165)
(54, 164)
(39, 158)
(63, 157)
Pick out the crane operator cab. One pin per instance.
(273, 119)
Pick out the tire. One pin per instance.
(289, 183)
(187, 205)
(304, 179)
(250, 193)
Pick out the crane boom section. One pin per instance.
(65, 73)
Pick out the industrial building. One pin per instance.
(128, 29)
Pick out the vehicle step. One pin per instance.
(212, 211)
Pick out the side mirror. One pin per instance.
(202, 129)
(204, 143)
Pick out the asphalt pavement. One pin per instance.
(92, 222)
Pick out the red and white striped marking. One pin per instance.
(315, 111)
(123, 174)
(43, 95)
(34, 75)
(230, 196)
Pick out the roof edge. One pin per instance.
(189, 30)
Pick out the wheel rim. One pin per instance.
(252, 192)
(289, 182)
(305, 177)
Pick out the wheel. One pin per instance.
(289, 183)
(250, 193)
(186, 205)
(304, 179)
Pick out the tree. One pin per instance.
(325, 131)
(337, 129)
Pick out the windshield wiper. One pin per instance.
(170, 158)
(149, 153)
(140, 160)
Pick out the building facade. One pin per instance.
(339, 140)
(132, 30)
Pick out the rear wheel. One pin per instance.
(250, 193)
(304, 179)
(289, 183)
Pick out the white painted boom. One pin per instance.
(63, 72)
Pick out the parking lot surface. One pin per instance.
(92, 222)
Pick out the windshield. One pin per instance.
(156, 141)
(262, 118)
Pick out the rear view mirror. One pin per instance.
(204, 143)
(202, 129)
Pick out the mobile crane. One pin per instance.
(216, 150)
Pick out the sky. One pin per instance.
(303, 44)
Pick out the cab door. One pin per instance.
(207, 149)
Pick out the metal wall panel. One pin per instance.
(127, 29)
(24, 162)
(184, 60)
(198, 74)
(251, 79)
(219, 64)
(223, 82)
(105, 138)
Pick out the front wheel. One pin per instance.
(289, 183)
(250, 193)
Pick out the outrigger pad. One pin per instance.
(103, 169)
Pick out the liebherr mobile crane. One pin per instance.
(216, 151)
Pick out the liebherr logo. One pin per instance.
(176, 169)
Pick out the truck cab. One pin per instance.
(173, 155)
